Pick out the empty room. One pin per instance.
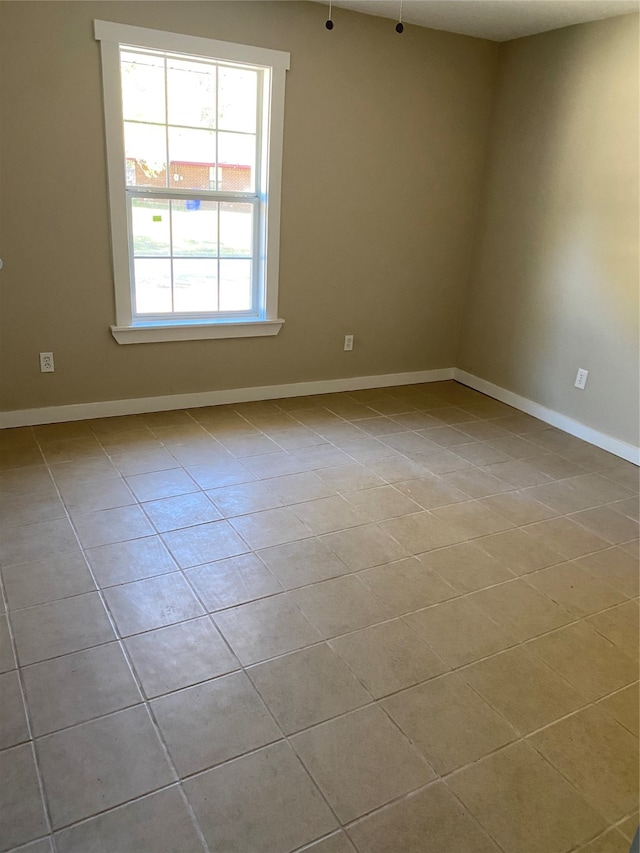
(319, 426)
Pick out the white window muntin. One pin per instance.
(268, 166)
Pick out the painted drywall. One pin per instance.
(554, 272)
(384, 143)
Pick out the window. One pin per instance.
(194, 154)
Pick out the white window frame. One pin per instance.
(128, 329)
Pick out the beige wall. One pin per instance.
(384, 144)
(554, 273)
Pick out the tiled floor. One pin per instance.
(391, 621)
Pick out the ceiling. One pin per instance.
(497, 20)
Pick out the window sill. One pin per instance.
(156, 332)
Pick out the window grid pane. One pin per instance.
(189, 124)
(192, 256)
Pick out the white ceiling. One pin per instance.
(497, 20)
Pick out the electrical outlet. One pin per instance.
(46, 362)
(348, 343)
(581, 378)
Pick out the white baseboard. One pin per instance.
(140, 405)
(550, 416)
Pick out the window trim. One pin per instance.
(130, 330)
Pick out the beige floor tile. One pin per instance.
(297, 488)
(422, 532)
(608, 524)
(60, 627)
(212, 722)
(236, 580)
(616, 567)
(514, 445)
(524, 804)
(159, 823)
(13, 723)
(298, 563)
(632, 548)
(19, 457)
(84, 471)
(205, 543)
(337, 843)
(430, 492)
(152, 603)
(620, 625)
(181, 511)
(266, 628)
(440, 461)
(364, 547)
(431, 819)
(564, 496)
(520, 609)
(243, 499)
(263, 802)
(611, 842)
(122, 562)
(448, 722)
(519, 551)
(78, 687)
(629, 507)
(17, 437)
(17, 510)
(575, 589)
(249, 445)
(92, 497)
(362, 448)
(597, 755)
(623, 706)
(458, 632)
(307, 687)
(520, 507)
(101, 764)
(518, 473)
(388, 657)
(629, 827)
(161, 484)
(395, 468)
(21, 481)
(524, 690)
(407, 585)
(340, 605)
(466, 567)
(567, 538)
(360, 761)
(36, 541)
(475, 483)
(476, 452)
(111, 525)
(215, 475)
(381, 503)
(473, 519)
(143, 461)
(555, 466)
(592, 458)
(624, 474)
(179, 655)
(7, 658)
(270, 527)
(328, 515)
(589, 662)
(41, 846)
(22, 816)
(58, 576)
(350, 477)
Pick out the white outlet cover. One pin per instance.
(581, 378)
